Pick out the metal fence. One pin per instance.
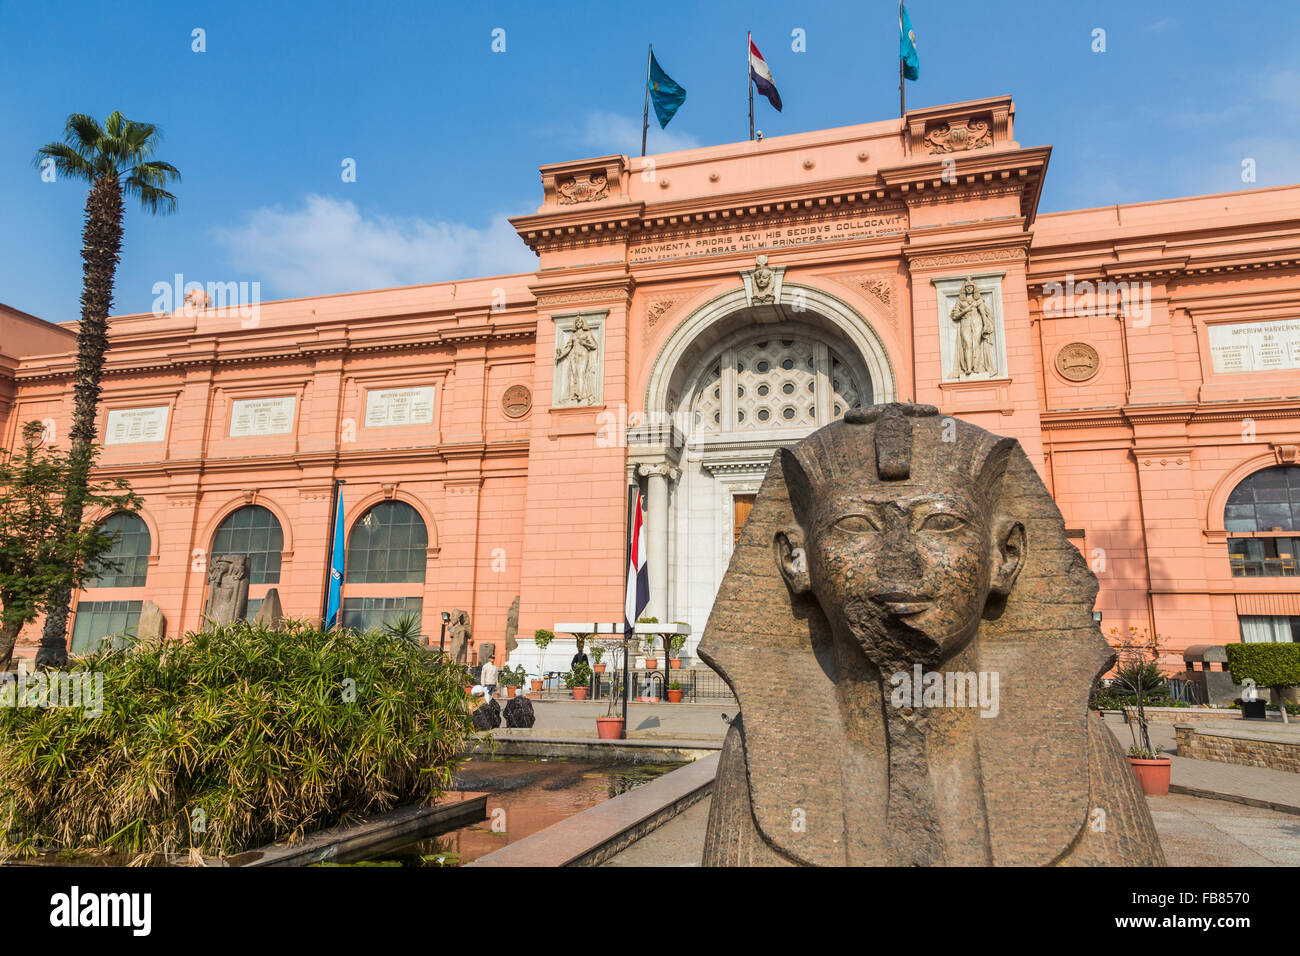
(696, 685)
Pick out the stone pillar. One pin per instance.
(658, 476)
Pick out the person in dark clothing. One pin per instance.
(488, 717)
(581, 656)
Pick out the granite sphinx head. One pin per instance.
(898, 533)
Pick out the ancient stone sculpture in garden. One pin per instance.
(512, 627)
(227, 589)
(459, 631)
(910, 637)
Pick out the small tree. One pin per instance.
(1275, 666)
(39, 558)
(1139, 663)
(542, 638)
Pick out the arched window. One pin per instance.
(388, 545)
(254, 531)
(1263, 514)
(776, 383)
(129, 554)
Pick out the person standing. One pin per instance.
(488, 678)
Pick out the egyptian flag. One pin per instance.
(762, 76)
(638, 578)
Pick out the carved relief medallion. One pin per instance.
(588, 187)
(955, 137)
(1077, 362)
(517, 401)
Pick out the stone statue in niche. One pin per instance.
(227, 589)
(909, 634)
(460, 632)
(512, 627)
(576, 362)
(975, 353)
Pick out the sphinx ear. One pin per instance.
(1008, 555)
(787, 549)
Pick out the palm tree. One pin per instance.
(116, 160)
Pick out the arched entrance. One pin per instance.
(737, 382)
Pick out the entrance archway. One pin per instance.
(738, 382)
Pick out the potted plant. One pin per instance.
(512, 679)
(597, 657)
(1275, 666)
(610, 727)
(651, 663)
(1139, 671)
(542, 638)
(675, 692)
(578, 679)
(675, 645)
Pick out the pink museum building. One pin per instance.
(691, 312)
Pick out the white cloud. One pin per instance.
(326, 245)
(605, 132)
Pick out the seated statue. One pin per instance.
(910, 636)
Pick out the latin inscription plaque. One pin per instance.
(135, 426)
(399, 406)
(251, 417)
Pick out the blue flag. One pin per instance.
(666, 95)
(336, 568)
(907, 45)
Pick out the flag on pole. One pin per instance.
(907, 45)
(665, 93)
(762, 76)
(637, 595)
(336, 566)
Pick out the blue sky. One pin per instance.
(447, 135)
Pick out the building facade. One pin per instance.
(690, 313)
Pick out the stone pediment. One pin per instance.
(954, 129)
(584, 181)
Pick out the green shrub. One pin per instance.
(260, 734)
(580, 676)
(1269, 665)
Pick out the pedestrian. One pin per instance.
(488, 677)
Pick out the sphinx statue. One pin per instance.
(910, 636)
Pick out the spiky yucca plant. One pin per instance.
(232, 739)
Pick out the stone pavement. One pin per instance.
(573, 718)
(1253, 786)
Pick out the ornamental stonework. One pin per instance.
(1077, 362)
(517, 401)
(658, 309)
(585, 187)
(957, 137)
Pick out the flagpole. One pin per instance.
(902, 96)
(645, 115)
(749, 82)
(329, 562)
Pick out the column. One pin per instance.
(658, 476)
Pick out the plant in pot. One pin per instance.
(1275, 666)
(675, 692)
(578, 679)
(610, 727)
(597, 655)
(512, 679)
(542, 638)
(1138, 673)
(650, 662)
(675, 645)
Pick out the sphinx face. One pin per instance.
(905, 574)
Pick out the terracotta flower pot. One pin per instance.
(469, 689)
(598, 669)
(537, 685)
(675, 663)
(651, 663)
(533, 696)
(1153, 775)
(579, 693)
(674, 697)
(510, 691)
(609, 728)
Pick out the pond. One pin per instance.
(527, 794)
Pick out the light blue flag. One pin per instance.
(907, 45)
(336, 568)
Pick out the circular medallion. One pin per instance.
(1077, 362)
(517, 401)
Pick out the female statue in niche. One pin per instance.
(976, 329)
(576, 365)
